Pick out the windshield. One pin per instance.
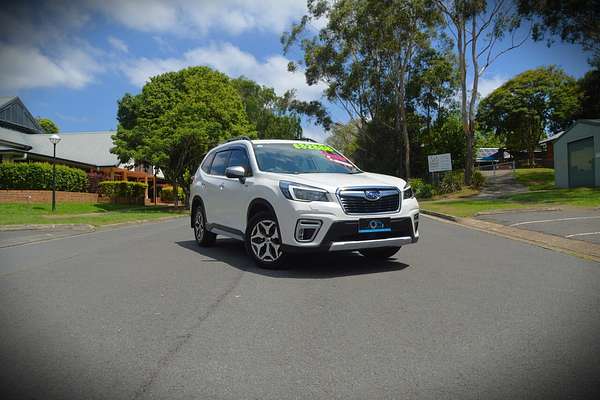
(301, 158)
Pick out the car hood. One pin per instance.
(332, 182)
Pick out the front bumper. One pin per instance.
(337, 227)
(370, 244)
(344, 236)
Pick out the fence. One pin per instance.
(45, 196)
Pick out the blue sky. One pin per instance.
(72, 61)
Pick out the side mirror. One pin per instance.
(236, 172)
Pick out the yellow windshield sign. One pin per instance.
(313, 146)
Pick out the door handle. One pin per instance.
(221, 186)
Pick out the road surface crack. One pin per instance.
(166, 359)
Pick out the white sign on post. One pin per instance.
(439, 162)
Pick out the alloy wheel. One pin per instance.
(265, 241)
(199, 225)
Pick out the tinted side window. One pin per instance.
(239, 158)
(207, 161)
(220, 163)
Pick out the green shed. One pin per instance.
(577, 155)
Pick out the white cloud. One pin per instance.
(488, 85)
(26, 67)
(191, 17)
(232, 61)
(143, 15)
(40, 45)
(118, 44)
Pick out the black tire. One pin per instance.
(203, 237)
(380, 253)
(268, 252)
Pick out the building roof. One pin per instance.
(490, 154)
(14, 115)
(91, 148)
(552, 138)
(589, 121)
(21, 133)
(6, 99)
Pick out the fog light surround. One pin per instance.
(307, 229)
(416, 222)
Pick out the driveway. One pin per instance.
(579, 224)
(142, 313)
(500, 183)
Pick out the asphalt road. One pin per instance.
(579, 224)
(142, 313)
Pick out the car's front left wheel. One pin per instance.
(263, 241)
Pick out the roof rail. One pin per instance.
(306, 139)
(238, 138)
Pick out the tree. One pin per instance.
(344, 138)
(278, 117)
(176, 119)
(364, 56)
(477, 29)
(267, 111)
(48, 126)
(574, 21)
(433, 84)
(446, 136)
(524, 108)
(589, 86)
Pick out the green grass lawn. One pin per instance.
(543, 193)
(536, 178)
(580, 197)
(77, 213)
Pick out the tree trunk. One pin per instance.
(472, 104)
(462, 69)
(175, 193)
(402, 106)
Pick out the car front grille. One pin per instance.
(354, 201)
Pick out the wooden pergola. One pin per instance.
(122, 174)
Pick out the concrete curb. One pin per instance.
(585, 250)
(440, 215)
(517, 210)
(46, 232)
(82, 227)
(140, 221)
(46, 227)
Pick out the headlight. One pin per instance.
(408, 192)
(295, 191)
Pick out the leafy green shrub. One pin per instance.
(451, 182)
(38, 176)
(166, 194)
(422, 189)
(123, 191)
(477, 180)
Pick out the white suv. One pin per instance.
(287, 196)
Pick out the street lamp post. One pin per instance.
(54, 139)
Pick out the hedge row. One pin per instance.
(38, 176)
(451, 182)
(123, 189)
(166, 194)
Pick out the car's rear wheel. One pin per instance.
(202, 235)
(379, 253)
(263, 241)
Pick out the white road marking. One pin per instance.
(553, 220)
(583, 234)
